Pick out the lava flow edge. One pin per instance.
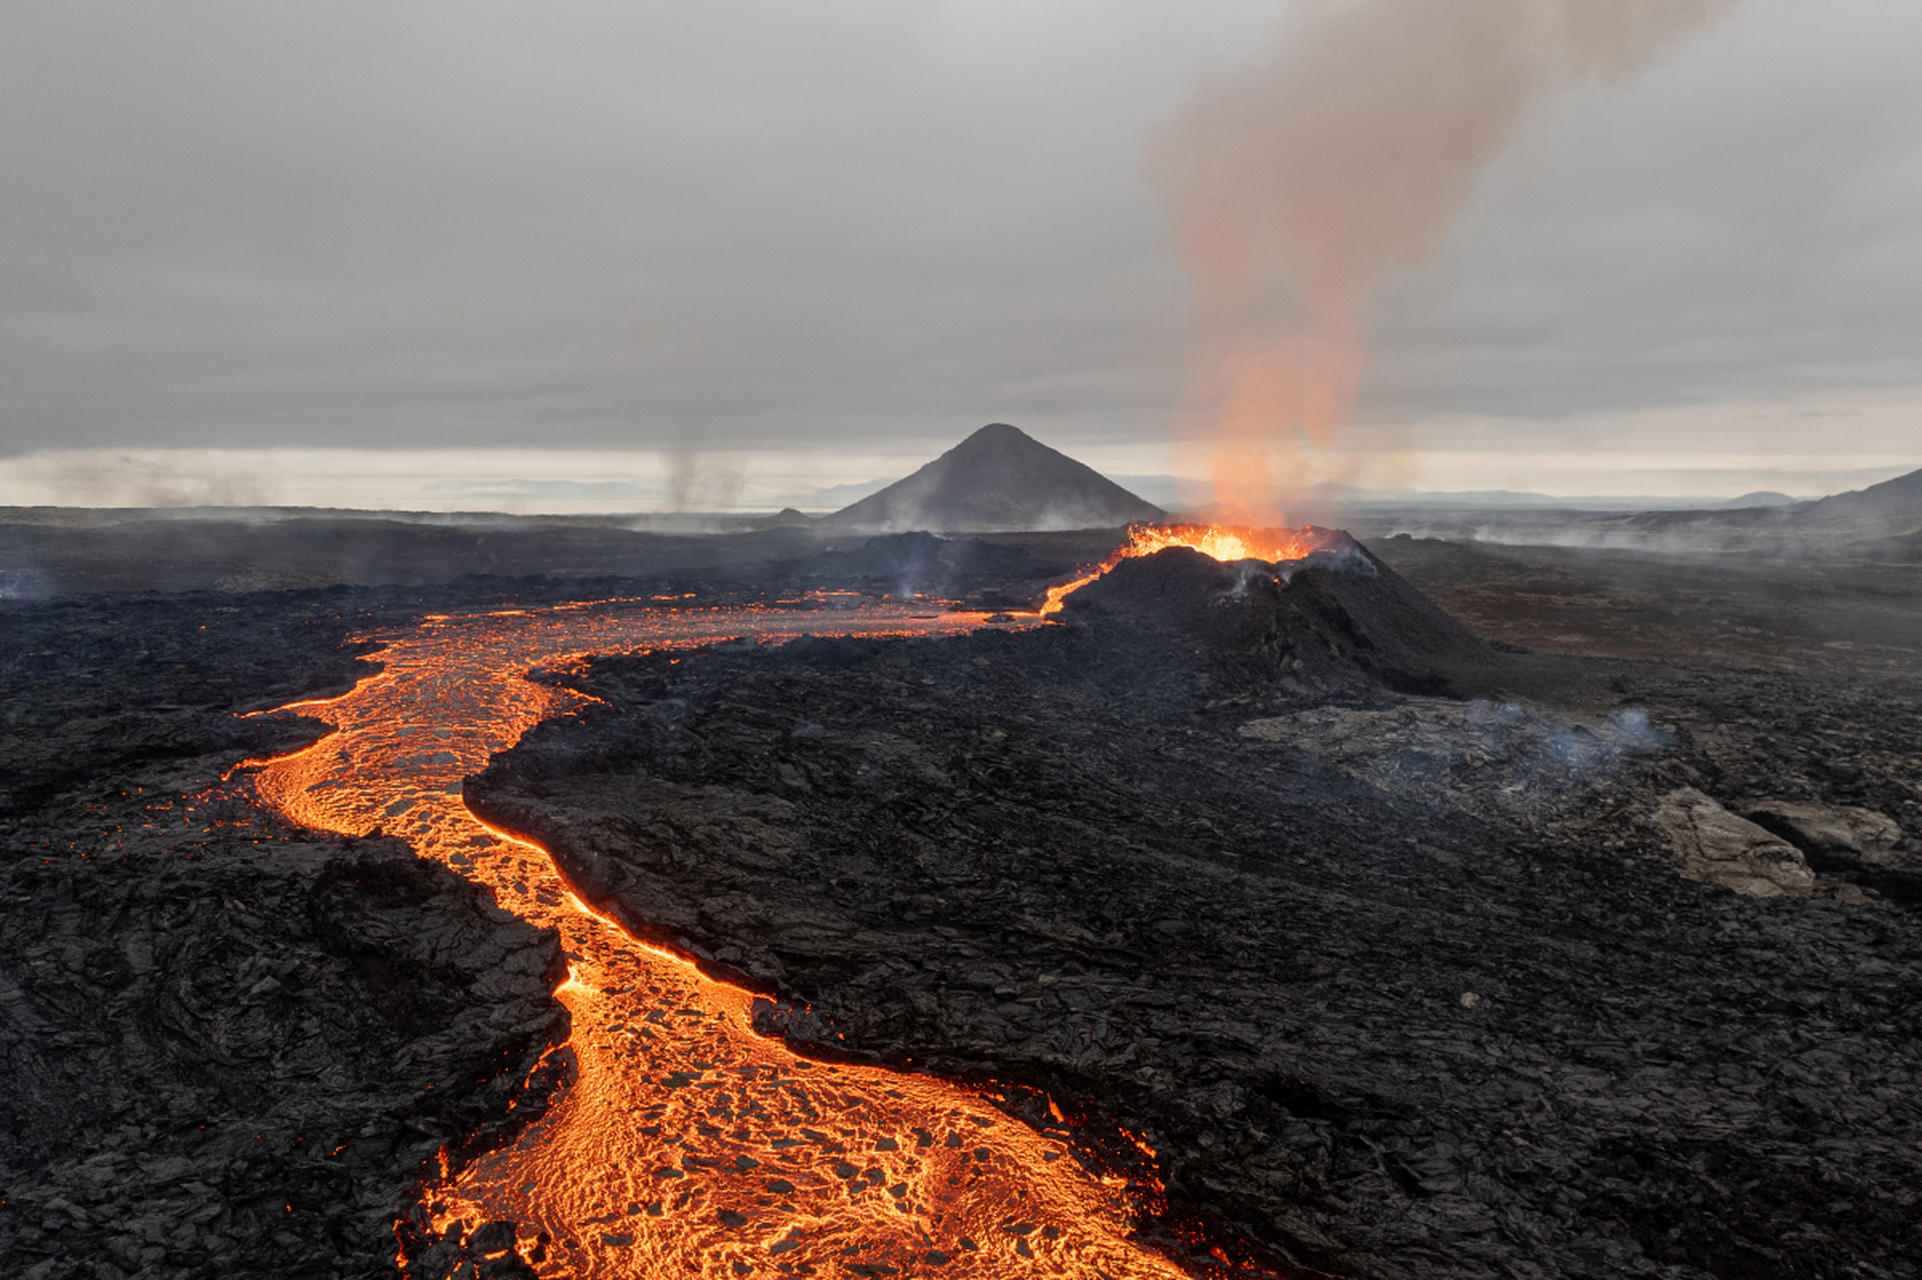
(454, 834)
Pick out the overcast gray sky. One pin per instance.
(859, 230)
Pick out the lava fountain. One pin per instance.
(1222, 542)
(684, 1144)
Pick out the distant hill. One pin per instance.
(999, 478)
(1882, 521)
(1897, 502)
(1760, 498)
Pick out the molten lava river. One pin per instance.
(684, 1144)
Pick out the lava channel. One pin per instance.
(685, 1144)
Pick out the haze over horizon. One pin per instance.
(655, 257)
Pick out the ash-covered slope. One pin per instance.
(999, 478)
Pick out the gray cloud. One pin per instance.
(734, 224)
(1746, 222)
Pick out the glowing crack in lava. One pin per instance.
(685, 1145)
(1223, 542)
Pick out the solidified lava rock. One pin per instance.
(908, 564)
(1396, 984)
(1717, 846)
(226, 1047)
(97, 686)
(242, 1061)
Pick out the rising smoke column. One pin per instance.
(1297, 182)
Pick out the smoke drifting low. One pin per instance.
(1298, 182)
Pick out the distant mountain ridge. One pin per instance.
(998, 479)
(1899, 500)
(1883, 522)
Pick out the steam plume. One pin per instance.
(1299, 181)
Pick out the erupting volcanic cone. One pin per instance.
(1330, 613)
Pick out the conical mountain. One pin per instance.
(999, 478)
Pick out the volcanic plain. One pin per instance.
(1421, 909)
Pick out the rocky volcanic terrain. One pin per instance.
(531, 557)
(1409, 955)
(226, 1048)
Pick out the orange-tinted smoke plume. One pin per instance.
(1300, 180)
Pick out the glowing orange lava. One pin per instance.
(686, 1145)
(1223, 542)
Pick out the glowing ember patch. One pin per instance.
(685, 1144)
(1221, 541)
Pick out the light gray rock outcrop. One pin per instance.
(1844, 834)
(1713, 845)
